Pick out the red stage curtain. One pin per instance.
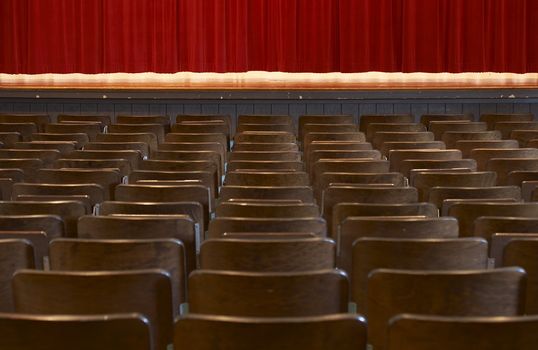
(101, 36)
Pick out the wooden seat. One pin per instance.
(355, 227)
(450, 138)
(328, 178)
(406, 145)
(129, 254)
(270, 255)
(366, 119)
(396, 157)
(95, 192)
(88, 128)
(156, 129)
(147, 292)
(107, 332)
(492, 118)
(392, 136)
(392, 127)
(437, 195)
(427, 118)
(302, 193)
(220, 226)
(266, 210)
(80, 139)
(64, 147)
(366, 194)
(467, 213)
(466, 146)
(244, 178)
(440, 127)
(268, 294)
(124, 226)
(344, 332)
(164, 120)
(497, 292)
(482, 155)
(141, 147)
(25, 130)
(264, 137)
(15, 254)
(257, 147)
(504, 166)
(424, 181)
(369, 254)
(422, 332)
(144, 138)
(69, 211)
(101, 118)
(341, 211)
(431, 164)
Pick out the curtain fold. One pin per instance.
(165, 36)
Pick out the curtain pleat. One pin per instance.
(165, 36)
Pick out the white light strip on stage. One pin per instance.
(276, 80)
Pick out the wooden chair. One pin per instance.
(164, 120)
(265, 155)
(89, 128)
(497, 292)
(406, 145)
(424, 181)
(366, 194)
(369, 254)
(244, 178)
(29, 167)
(482, 155)
(9, 139)
(466, 146)
(113, 255)
(355, 227)
(504, 166)
(207, 178)
(265, 127)
(219, 226)
(268, 294)
(125, 226)
(432, 164)
(344, 332)
(226, 118)
(270, 255)
(323, 119)
(467, 213)
(214, 127)
(348, 166)
(324, 127)
(336, 146)
(333, 137)
(264, 137)
(69, 211)
(101, 118)
(198, 137)
(64, 147)
(391, 136)
(396, 157)
(264, 119)
(440, 127)
(438, 195)
(106, 332)
(314, 156)
(156, 129)
(51, 225)
(147, 292)
(209, 156)
(302, 193)
(341, 211)
(392, 127)
(422, 332)
(37, 239)
(80, 139)
(178, 166)
(196, 146)
(491, 119)
(134, 157)
(25, 130)
(450, 138)
(266, 210)
(141, 147)
(95, 192)
(366, 119)
(40, 120)
(517, 177)
(145, 138)
(506, 128)
(328, 178)
(265, 165)
(15, 254)
(122, 166)
(48, 156)
(427, 118)
(257, 147)
(488, 226)
(499, 241)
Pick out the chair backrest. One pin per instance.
(271, 255)
(164, 120)
(266, 165)
(134, 157)
(326, 127)
(141, 147)
(220, 226)
(467, 213)
(366, 119)
(324, 119)
(421, 332)
(10, 138)
(506, 128)
(332, 137)
(268, 294)
(264, 137)
(524, 136)
(265, 127)
(499, 292)
(147, 292)
(48, 156)
(156, 129)
(487, 226)
(491, 119)
(254, 147)
(424, 181)
(121, 227)
(427, 118)
(349, 166)
(29, 167)
(64, 147)
(500, 240)
(504, 166)
(466, 146)
(440, 127)
(266, 210)
(89, 128)
(344, 332)
(215, 126)
(113, 255)
(52, 225)
(412, 254)
(401, 145)
(198, 137)
(426, 164)
(437, 195)
(451, 137)
(302, 193)
(40, 120)
(396, 157)
(482, 155)
(80, 139)
(24, 129)
(15, 254)
(146, 138)
(522, 252)
(398, 127)
(328, 178)
(95, 192)
(356, 227)
(394, 136)
(246, 178)
(101, 118)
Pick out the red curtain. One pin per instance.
(101, 36)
